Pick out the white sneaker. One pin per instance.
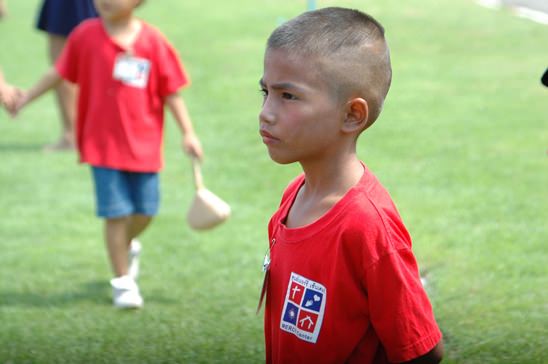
(125, 292)
(134, 252)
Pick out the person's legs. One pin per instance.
(137, 224)
(66, 99)
(119, 232)
(127, 201)
(113, 199)
(125, 291)
(117, 242)
(145, 199)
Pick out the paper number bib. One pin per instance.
(132, 71)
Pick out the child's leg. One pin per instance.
(66, 98)
(118, 235)
(125, 292)
(145, 197)
(137, 224)
(127, 201)
(117, 242)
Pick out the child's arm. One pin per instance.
(191, 143)
(50, 79)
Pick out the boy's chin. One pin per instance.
(281, 160)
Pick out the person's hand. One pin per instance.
(192, 146)
(9, 96)
(17, 100)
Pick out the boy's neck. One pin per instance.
(334, 178)
(325, 185)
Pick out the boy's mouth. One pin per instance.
(267, 137)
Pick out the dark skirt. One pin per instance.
(60, 17)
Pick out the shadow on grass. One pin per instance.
(21, 148)
(97, 292)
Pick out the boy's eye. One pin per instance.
(288, 96)
(263, 92)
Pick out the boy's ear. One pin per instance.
(357, 115)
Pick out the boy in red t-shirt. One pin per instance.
(126, 72)
(342, 283)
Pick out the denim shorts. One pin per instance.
(121, 193)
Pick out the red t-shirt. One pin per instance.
(346, 288)
(120, 118)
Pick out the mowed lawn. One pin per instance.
(461, 145)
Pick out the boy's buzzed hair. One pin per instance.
(349, 49)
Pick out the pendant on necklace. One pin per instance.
(266, 263)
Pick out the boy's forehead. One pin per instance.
(279, 59)
(281, 66)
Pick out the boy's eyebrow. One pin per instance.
(282, 86)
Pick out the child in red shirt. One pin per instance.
(126, 72)
(342, 283)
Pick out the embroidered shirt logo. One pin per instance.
(304, 307)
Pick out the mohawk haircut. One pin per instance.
(348, 48)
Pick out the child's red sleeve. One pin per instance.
(401, 313)
(172, 73)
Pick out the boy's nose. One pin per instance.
(266, 115)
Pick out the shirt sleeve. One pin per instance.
(171, 71)
(401, 313)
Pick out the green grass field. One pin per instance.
(461, 145)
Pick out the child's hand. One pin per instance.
(9, 96)
(18, 100)
(192, 146)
